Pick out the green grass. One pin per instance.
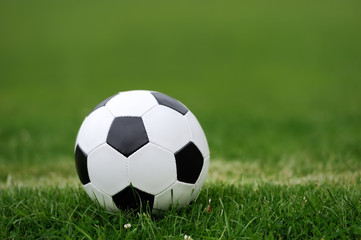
(266, 211)
(276, 87)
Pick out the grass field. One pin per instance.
(276, 87)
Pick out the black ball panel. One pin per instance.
(133, 198)
(127, 135)
(81, 165)
(189, 162)
(165, 100)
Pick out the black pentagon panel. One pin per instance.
(133, 198)
(189, 162)
(127, 135)
(103, 103)
(81, 165)
(165, 100)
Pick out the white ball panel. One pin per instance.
(103, 199)
(202, 178)
(131, 103)
(179, 195)
(94, 130)
(167, 128)
(152, 169)
(197, 133)
(108, 169)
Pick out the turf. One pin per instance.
(276, 87)
(267, 211)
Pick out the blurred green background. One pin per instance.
(267, 80)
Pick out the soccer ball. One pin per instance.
(141, 149)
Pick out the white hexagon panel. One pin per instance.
(131, 103)
(152, 169)
(103, 199)
(167, 128)
(94, 130)
(108, 169)
(197, 134)
(178, 195)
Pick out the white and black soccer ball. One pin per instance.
(141, 148)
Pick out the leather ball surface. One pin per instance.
(141, 149)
